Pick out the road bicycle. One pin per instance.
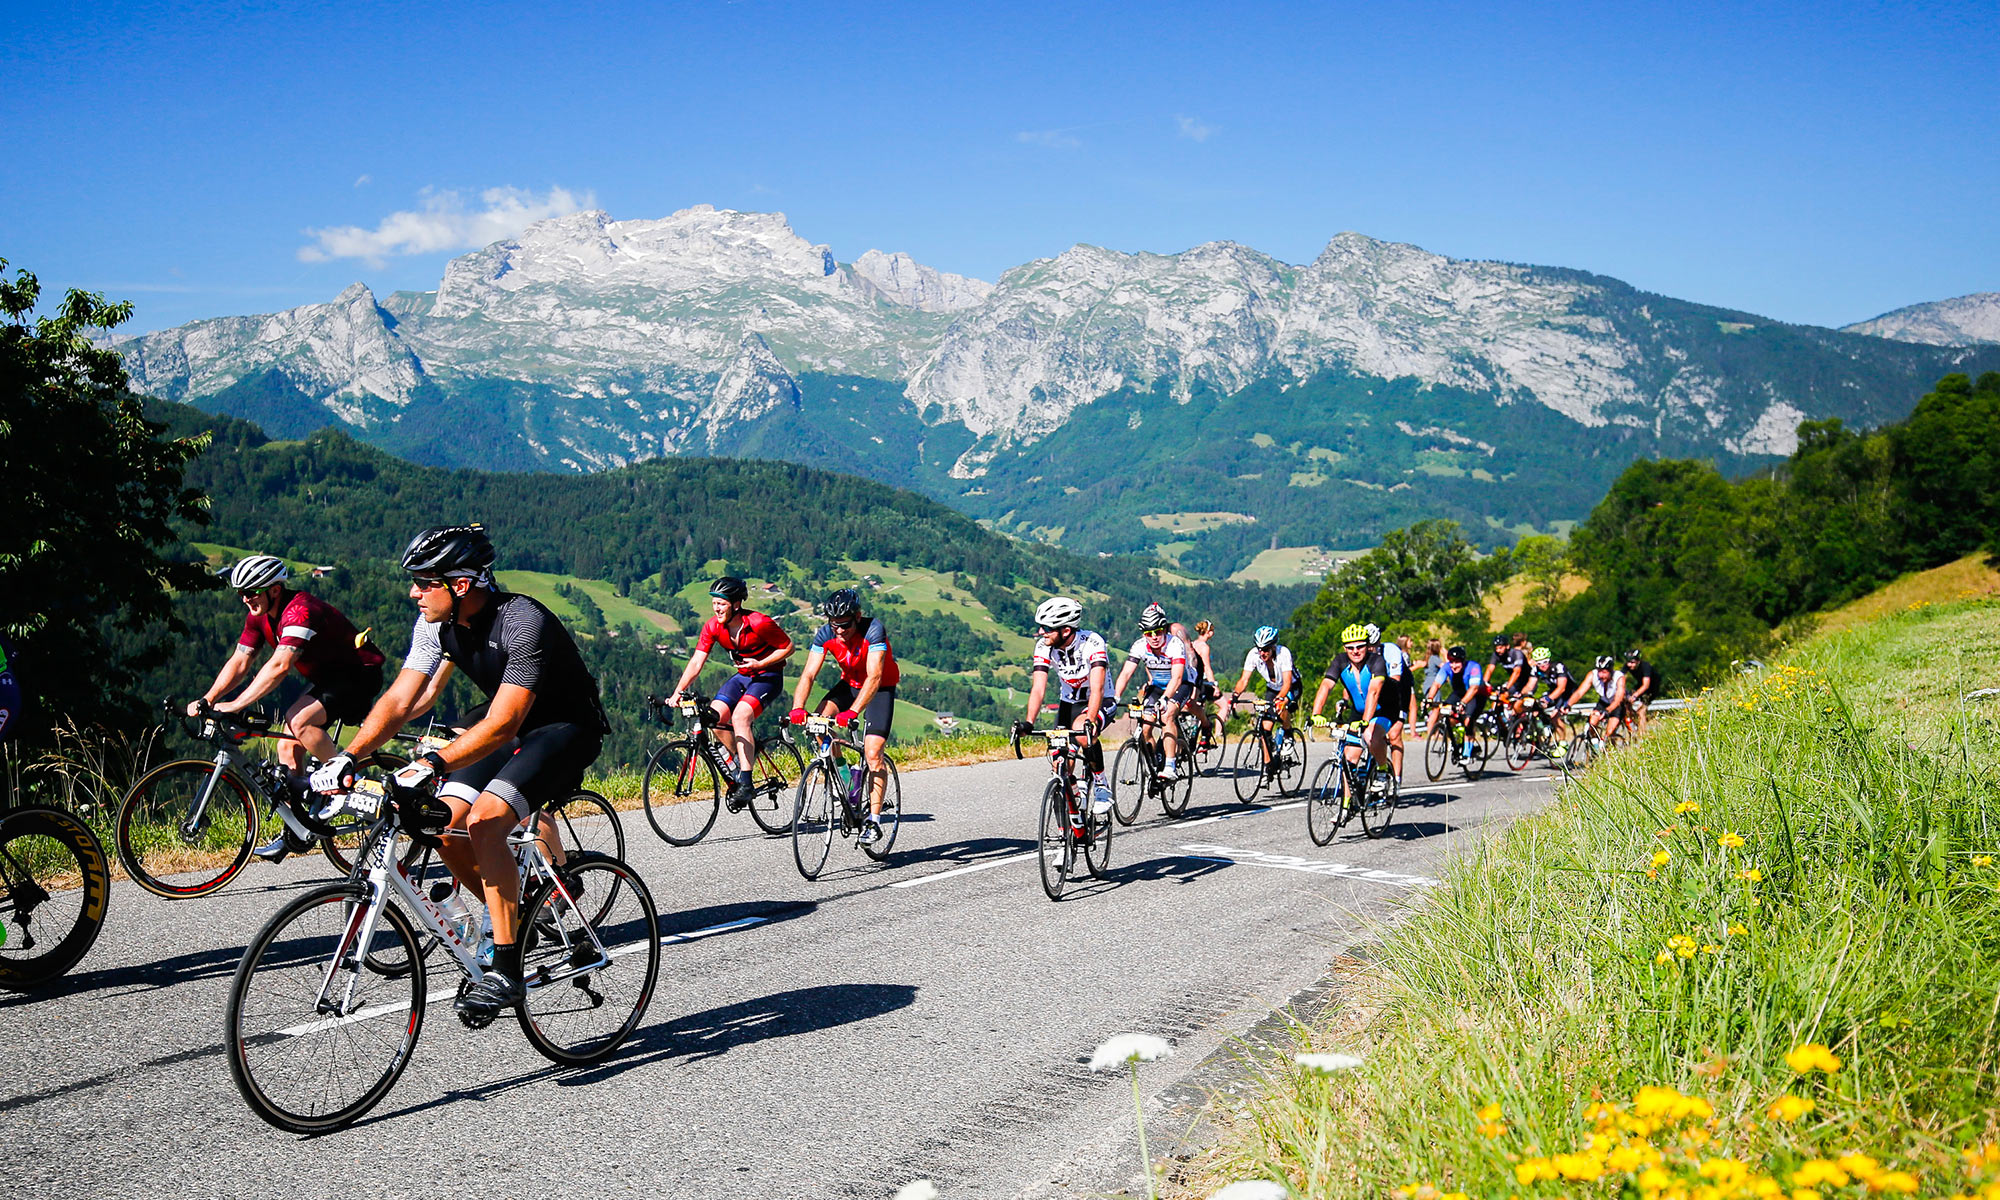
(1591, 742)
(1139, 770)
(54, 887)
(1269, 754)
(1067, 823)
(1343, 789)
(324, 1010)
(1452, 741)
(682, 787)
(1538, 731)
(833, 797)
(187, 827)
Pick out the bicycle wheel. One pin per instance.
(1488, 738)
(891, 818)
(1291, 764)
(343, 846)
(304, 1069)
(681, 792)
(816, 814)
(1581, 750)
(1379, 811)
(1058, 854)
(582, 1002)
(777, 769)
(1175, 796)
(1131, 779)
(170, 852)
(1325, 813)
(1249, 766)
(1437, 754)
(587, 822)
(1097, 833)
(54, 885)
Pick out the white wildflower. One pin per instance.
(917, 1189)
(1327, 1064)
(1253, 1189)
(1130, 1047)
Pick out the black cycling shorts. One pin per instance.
(348, 697)
(753, 690)
(540, 767)
(1180, 695)
(881, 714)
(1067, 712)
(1395, 698)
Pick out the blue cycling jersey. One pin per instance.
(1465, 678)
(1355, 677)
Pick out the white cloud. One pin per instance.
(364, 181)
(1057, 139)
(444, 223)
(1193, 128)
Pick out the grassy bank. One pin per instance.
(1808, 860)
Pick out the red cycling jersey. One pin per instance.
(761, 637)
(323, 638)
(851, 651)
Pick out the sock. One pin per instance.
(1170, 762)
(743, 778)
(507, 959)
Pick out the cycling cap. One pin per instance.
(1456, 654)
(1203, 628)
(1632, 655)
(1153, 618)
(1059, 612)
(843, 603)
(258, 572)
(448, 551)
(1266, 637)
(1354, 634)
(731, 589)
(1604, 662)
(1373, 631)
(1540, 656)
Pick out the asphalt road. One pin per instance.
(929, 1017)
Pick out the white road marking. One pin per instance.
(920, 880)
(1291, 862)
(1248, 812)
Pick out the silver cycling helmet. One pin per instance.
(1374, 633)
(258, 572)
(1059, 612)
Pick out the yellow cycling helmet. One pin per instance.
(1352, 634)
(1540, 656)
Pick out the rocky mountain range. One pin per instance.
(1072, 399)
(1961, 321)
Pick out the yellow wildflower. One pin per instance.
(1982, 860)
(1812, 1057)
(1663, 958)
(1580, 1167)
(1490, 1123)
(1790, 1108)
(1738, 931)
(1731, 839)
(1750, 875)
(1530, 1171)
(1682, 945)
(1816, 1171)
(1661, 858)
(1860, 1166)
(1685, 807)
(1980, 1158)
(1894, 1181)
(1453, 1196)
(1711, 948)
(1653, 1101)
(1804, 1194)
(1725, 1172)
(1652, 1179)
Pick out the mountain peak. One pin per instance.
(903, 279)
(1961, 321)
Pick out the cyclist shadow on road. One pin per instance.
(716, 1031)
(961, 853)
(1169, 867)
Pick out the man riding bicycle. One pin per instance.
(1168, 679)
(1466, 682)
(867, 689)
(759, 649)
(1273, 664)
(1398, 693)
(1079, 660)
(1607, 682)
(542, 728)
(342, 671)
(1645, 679)
(1362, 673)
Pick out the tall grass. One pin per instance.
(1807, 858)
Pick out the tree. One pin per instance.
(1544, 562)
(92, 491)
(1426, 574)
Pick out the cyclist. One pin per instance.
(759, 648)
(1079, 660)
(341, 669)
(1399, 692)
(1168, 679)
(1467, 683)
(867, 689)
(1202, 658)
(1362, 672)
(1608, 684)
(542, 729)
(1553, 676)
(1273, 664)
(1506, 673)
(1645, 679)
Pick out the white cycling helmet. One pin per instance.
(258, 572)
(1059, 612)
(1153, 618)
(1374, 633)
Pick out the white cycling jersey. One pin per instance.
(1273, 673)
(1072, 664)
(1160, 663)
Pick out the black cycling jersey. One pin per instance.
(515, 640)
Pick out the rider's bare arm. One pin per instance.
(228, 677)
(270, 676)
(1124, 676)
(696, 662)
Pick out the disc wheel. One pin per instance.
(1325, 810)
(303, 1069)
(816, 806)
(1058, 848)
(1249, 776)
(775, 773)
(169, 850)
(1131, 779)
(891, 817)
(1378, 811)
(681, 793)
(54, 886)
(586, 995)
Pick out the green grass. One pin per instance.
(1286, 564)
(1864, 792)
(618, 610)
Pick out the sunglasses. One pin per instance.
(840, 622)
(246, 593)
(426, 585)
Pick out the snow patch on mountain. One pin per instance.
(1961, 321)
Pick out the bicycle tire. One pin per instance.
(1520, 746)
(1437, 754)
(816, 806)
(1291, 763)
(271, 1019)
(1097, 833)
(1580, 752)
(1379, 812)
(578, 816)
(341, 848)
(575, 1019)
(1058, 848)
(52, 869)
(1174, 798)
(1326, 810)
(777, 769)
(155, 843)
(1249, 760)
(891, 818)
(681, 793)
(1131, 779)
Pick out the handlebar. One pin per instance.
(208, 725)
(1054, 736)
(659, 710)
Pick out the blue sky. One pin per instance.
(1816, 163)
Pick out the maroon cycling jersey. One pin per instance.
(760, 638)
(851, 651)
(323, 639)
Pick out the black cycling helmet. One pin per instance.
(1632, 655)
(448, 551)
(841, 604)
(731, 589)
(1456, 654)
(1499, 639)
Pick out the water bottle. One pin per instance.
(855, 777)
(451, 908)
